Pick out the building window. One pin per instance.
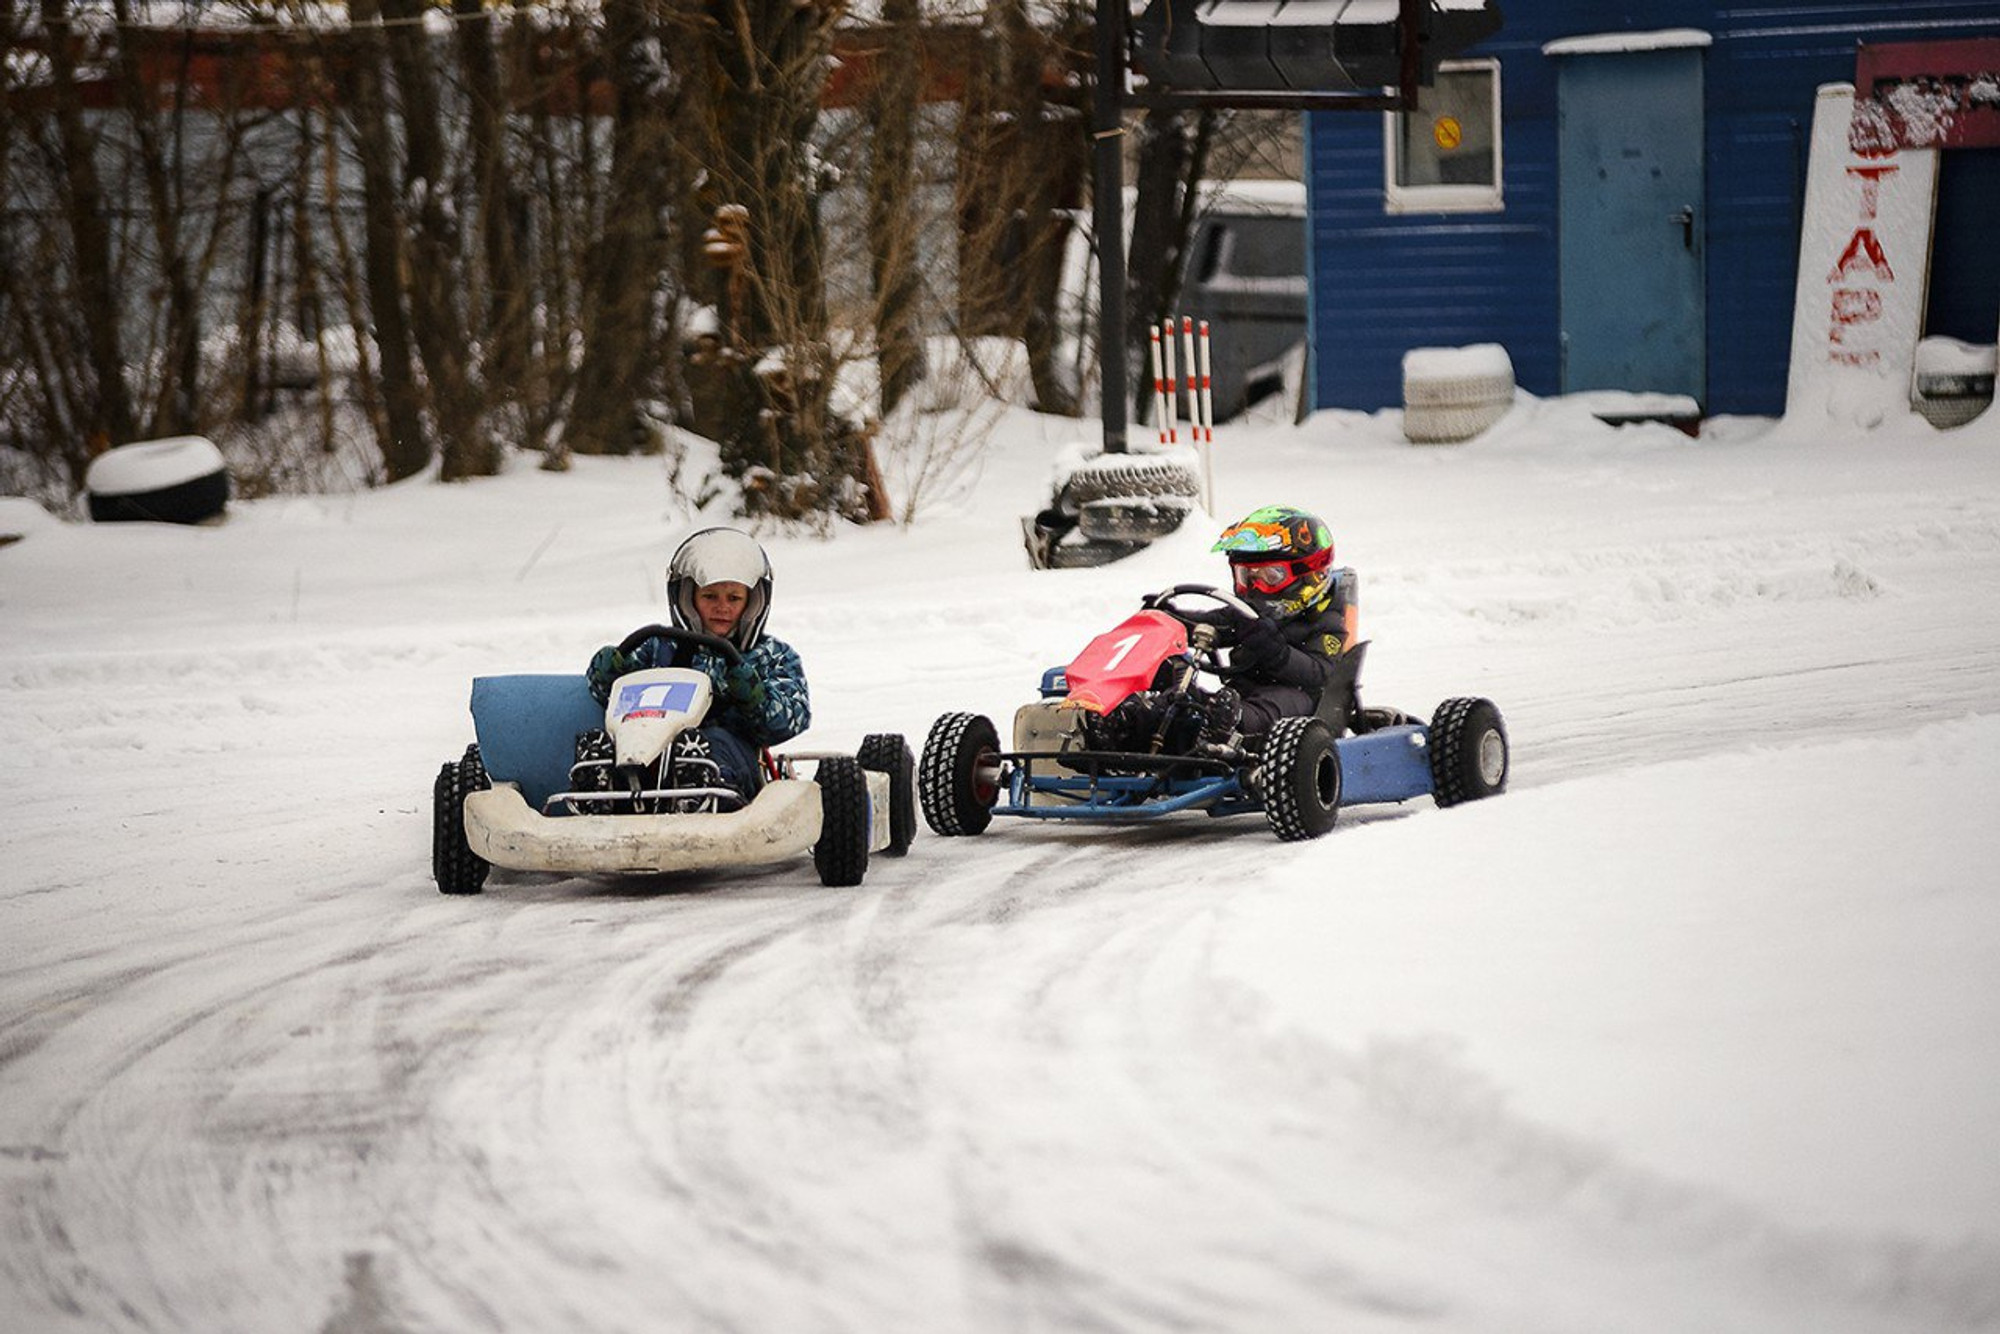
(1444, 157)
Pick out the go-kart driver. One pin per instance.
(1281, 564)
(719, 582)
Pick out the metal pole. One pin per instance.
(1108, 147)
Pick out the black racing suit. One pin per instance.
(1293, 687)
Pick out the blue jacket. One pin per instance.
(762, 700)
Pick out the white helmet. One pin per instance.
(712, 556)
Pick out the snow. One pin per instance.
(1692, 1029)
(1607, 43)
(149, 465)
(1940, 355)
(1474, 361)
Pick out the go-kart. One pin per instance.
(1066, 765)
(557, 782)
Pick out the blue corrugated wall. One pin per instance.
(1382, 283)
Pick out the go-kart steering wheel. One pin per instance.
(1222, 621)
(674, 634)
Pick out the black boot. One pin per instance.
(1221, 712)
(693, 765)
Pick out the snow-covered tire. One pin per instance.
(1301, 779)
(1458, 390)
(841, 855)
(953, 780)
(1132, 518)
(454, 865)
(178, 480)
(1468, 751)
(887, 753)
(1440, 424)
(1087, 555)
(1150, 477)
(1946, 413)
(1455, 393)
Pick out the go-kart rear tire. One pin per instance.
(956, 799)
(841, 855)
(887, 753)
(1468, 751)
(454, 865)
(1301, 779)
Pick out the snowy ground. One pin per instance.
(1693, 1030)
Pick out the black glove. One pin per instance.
(606, 666)
(1260, 649)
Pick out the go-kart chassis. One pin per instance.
(1386, 765)
(526, 726)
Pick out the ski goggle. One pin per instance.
(1266, 576)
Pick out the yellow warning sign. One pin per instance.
(1447, 132)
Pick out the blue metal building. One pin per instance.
(1612, 191)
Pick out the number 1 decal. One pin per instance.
(1124, 646)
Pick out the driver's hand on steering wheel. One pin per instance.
(1260, 648)
(1223, 620)
(606, 666)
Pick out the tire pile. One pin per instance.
(1108, 511)
(1452, 394)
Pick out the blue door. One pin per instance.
(1632, 216)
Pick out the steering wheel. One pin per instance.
(674, 634)
(1220, 621)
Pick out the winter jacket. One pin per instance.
(763, 699)
(1293, 687)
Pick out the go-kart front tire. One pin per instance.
(887, 753)
(454, 865)
(841, 855)
(1468, 751)
(1301, 779)
(955, 780)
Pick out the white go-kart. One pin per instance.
(557, 783)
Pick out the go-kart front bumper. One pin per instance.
(781, 822)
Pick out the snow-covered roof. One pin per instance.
(1664, 39)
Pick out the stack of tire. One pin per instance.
(1452, 394)
(1109, 510)
(177, 480)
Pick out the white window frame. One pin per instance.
(1443, 198)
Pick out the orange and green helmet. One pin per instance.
(1280, 559)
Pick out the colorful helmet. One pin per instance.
(713, 556)
(1281, 560)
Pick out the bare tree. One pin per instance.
(626, 257)
(405, 445)
(437, 270)
(497, 305)
(892, 237)
(760, 70)
(111, 417)
(1021, 170)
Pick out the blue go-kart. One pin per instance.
(1063, 765)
